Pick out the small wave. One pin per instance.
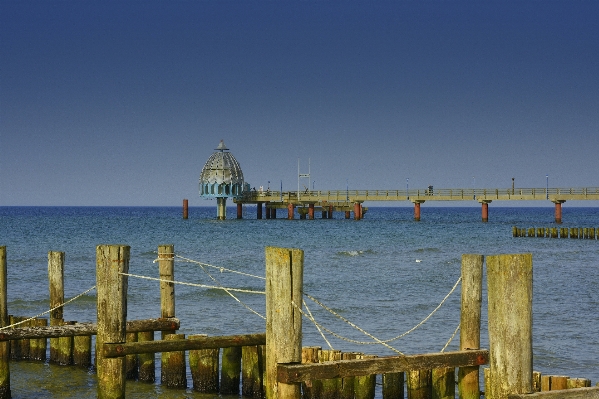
(355, 252)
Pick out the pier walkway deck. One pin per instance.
(351, 200)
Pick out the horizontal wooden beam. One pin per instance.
(111, 350)
(574, 393)
(80, 329)
(293, 373)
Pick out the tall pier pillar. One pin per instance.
(417, 210)
(267, 209)
(347, 214)
(273, 213)
(311, 211)
(558, 210)
(221, 208)
(290, 211)
(259, 210)
(485, 210)
(357, 211)
(185, 209)
(239, 210)
(330, 211)
(324, 214)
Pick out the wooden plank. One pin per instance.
(111, 350)
(291, 373)
(86, 329)
(575, 393)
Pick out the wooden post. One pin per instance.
(147, 361)
(393, 386)
(185, 209)
(554, 382)
(5, 345)
(348, 384)
(82, 351)
(252, 378)
(56, 280)
(284, 283)
(230, 371)
(330, 387)
(111, 261)
(509, 279)
(131, 363)
(419, 384)
(173, 373)
(166, 266)
(312, 389)
(443, 382)
(65, 348)
(203, 364)
(239, 210)
(37, 348)
(365, 386)
(470, 315)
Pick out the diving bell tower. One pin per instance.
(221, 178)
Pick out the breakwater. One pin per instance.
(587, 233)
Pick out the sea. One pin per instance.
(381, 277)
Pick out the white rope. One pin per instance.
(193, 284)
(315, 323)
(221, 269)
(451, 339)
(49, 311)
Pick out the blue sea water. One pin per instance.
(385, 273)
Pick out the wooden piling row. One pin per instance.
(589, 233)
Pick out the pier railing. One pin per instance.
(429, 194)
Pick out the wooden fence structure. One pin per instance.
(275, 365)
(588, 233)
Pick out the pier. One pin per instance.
(307, 202)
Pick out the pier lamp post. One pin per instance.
(473, 187)
(547, 186)
(347, 190)
(408, 188)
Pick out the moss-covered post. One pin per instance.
(56, 281)
(5, 345)
(111, 287)
(470, 315)
(509, 280)
(166, 265)
(284, 280)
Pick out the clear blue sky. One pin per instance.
(122, 102)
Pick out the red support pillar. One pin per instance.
(357, 211)
(311, 211)
(558, 211)
(290, 211)
(259, 210)
(485, 211)
(239, 210)
(347, 214)
(273, 213)
(185, 206)
(331, 211)
(417, 211)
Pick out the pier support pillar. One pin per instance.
(357, 211)
(347, 214)
(221, 208)
(267, 209)
(290, 211)
(273, 213)
(311, 211)
(558, 210)
(185, 208)
(485, 210)
(240, 211)
(259, 210)
(330, 211)
(417, 210)
(324, 214)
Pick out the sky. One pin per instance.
(122, 102)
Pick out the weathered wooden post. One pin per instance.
(252, 376)
(203, 364)
(166, 266)
(56, 280)
(313, 389)
(470, 314)
(443, 380)
(330, 386)
(364, 386)
(509, 280)
(230, 370)
(131, 363)
(147, 361)
(284, 281)
(111, 287)
(82, 351)
(37, 349)
(419, 384)
(393, 386)
(5, 345)
(173, 365)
